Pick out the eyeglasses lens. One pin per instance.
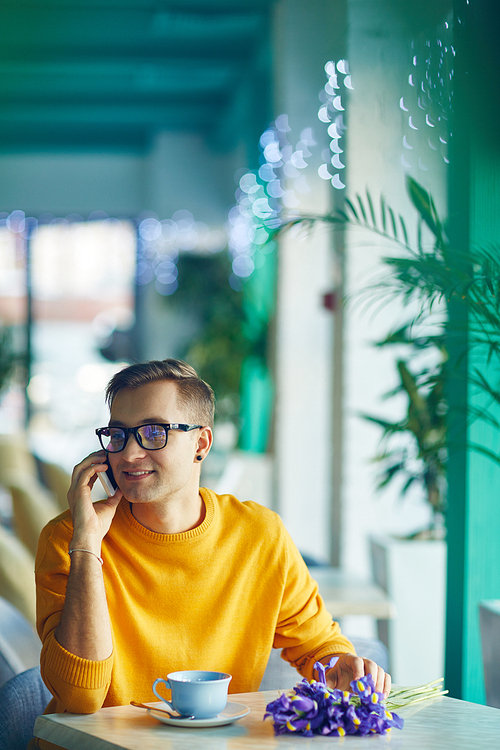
(114, 440)
(153, 436)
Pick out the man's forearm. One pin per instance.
(85, 628)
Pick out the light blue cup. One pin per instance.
(196, 693)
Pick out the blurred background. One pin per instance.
(150, 155)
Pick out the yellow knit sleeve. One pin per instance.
(78, 685)
(306, 631)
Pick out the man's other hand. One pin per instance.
(350, 667)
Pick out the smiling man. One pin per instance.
(165, 575)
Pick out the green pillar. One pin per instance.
(474, 480)
(259, 291)
(257, 387)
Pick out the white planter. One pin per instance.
(413, 573)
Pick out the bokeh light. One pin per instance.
(427, 103)
(330, 111)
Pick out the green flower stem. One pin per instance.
(408, 696)
(418, 689)
(392, 706)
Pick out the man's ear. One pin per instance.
(205, 440)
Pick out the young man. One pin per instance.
(163, 575)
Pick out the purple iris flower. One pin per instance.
(364, 687)
(313, 708)
(321, 668)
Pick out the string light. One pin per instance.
(331, 112)
(428, 101)
(262, 195)
(161, 243)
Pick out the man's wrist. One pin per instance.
(76, 550)
(86, 543)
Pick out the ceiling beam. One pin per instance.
(115, 72)
(185, 6)
(157, 115)
(115, 78)
(121, 28)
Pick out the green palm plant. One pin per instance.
(428, 274)
(422, 459)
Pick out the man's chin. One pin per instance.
(137, 498)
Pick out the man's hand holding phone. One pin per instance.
(91, 521)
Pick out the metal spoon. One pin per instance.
(160, 710)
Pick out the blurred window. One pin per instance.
(12, 277)
(13, 312)
(82, 288)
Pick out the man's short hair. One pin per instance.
(192, 391)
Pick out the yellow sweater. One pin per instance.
(218, 597)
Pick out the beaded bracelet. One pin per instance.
(70, 551)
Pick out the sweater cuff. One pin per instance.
(75, 670)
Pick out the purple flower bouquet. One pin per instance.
(313, 708)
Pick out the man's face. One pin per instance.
(154, 476)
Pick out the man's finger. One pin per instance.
(387, 684)
(370, 667)
(377, 673)
(357, 667)
(379, 680)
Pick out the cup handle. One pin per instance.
(167, 684)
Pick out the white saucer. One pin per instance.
(232, 712)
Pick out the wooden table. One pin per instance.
(344, 594)
(445, 724)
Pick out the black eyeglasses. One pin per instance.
(151, 437)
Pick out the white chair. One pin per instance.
(17, 574)
(19, 644)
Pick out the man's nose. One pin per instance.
(133, 449)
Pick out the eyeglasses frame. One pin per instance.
(167, 426)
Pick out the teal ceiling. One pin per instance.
(109, 74)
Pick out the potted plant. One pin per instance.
(412, 569)
(430, 273)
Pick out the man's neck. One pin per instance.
(170, 518)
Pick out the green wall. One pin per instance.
(474, 480)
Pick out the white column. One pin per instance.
(303, 44)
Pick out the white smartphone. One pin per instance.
(108, 481)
